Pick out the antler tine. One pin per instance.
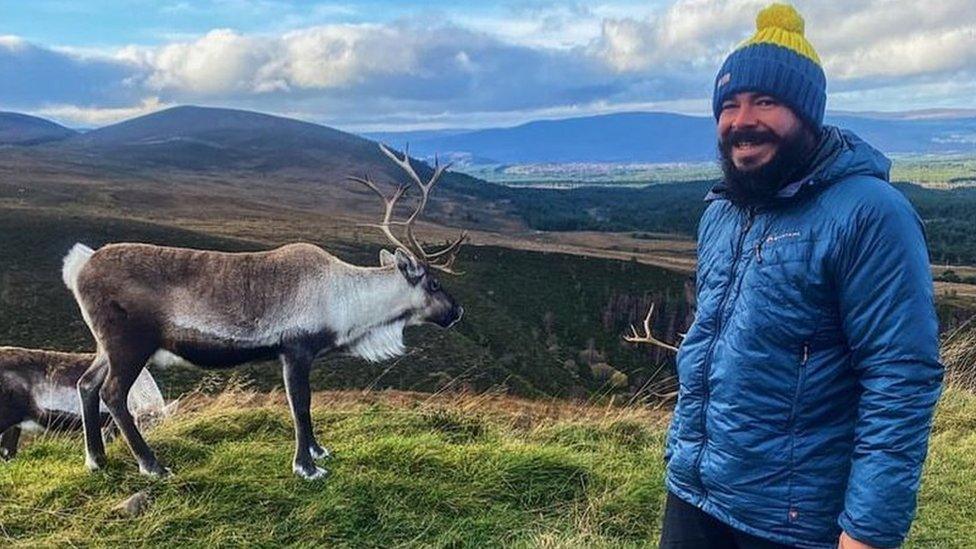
(636, 337)
(425, 194)
(443, 258)
(389, 203)
(453, 246)
(403, 163)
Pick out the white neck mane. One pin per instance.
(365, 310)
(380, 343)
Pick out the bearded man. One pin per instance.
(809, 377)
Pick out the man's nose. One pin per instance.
(745, 116)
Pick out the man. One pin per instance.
(809, 377)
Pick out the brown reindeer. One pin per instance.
(37, 392)
(216, 310)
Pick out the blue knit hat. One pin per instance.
(779, 61)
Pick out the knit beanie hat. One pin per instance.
(777, 60)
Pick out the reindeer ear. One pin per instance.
(408, 265)
(386, 258)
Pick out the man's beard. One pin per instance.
(759, 185)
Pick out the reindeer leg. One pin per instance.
(295, 367)
(89, 386)
(124, 368)
(8, 442)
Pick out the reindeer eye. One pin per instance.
(433, 285)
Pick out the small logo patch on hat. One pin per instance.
(724, 80)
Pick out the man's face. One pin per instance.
(755, 126)
(762, 144)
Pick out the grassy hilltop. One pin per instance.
(410, 470)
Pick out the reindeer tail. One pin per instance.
(73, 262)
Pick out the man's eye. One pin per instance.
(765, 102)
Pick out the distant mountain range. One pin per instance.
(666, 137)
(203, 138)
(22, 129)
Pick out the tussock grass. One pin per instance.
(959, 356)
(411, 469)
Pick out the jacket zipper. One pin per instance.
(737, 253)
(794, 513)
(804, 358)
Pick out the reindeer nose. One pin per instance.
(456, 312)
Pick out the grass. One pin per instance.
(411, 469)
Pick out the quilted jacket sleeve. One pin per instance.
(888, 315)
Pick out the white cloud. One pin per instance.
(531, 58)
(691, 33)
(74, 115)
(856, 39)
(222, 61)
(911, 55)
(12, 43)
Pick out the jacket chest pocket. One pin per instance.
(781, 260)
(784, 286)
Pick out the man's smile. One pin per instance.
(748, 153)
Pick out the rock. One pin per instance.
(134, 505)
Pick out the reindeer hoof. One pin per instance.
(319, 452)
(310, 472)
(155, 471)
(94, 463)
(7, 455)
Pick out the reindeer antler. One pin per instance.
(388, 202)
(635, 337)
(442, 259)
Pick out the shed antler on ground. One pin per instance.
(648, 336)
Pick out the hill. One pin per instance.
(22, 129)
(199, 162)
(410, 470)
(214, 138)
(666, 137)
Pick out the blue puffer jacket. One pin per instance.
(809, 377)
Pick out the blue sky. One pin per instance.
(383, 64)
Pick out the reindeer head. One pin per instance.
(434, 304)
(411, 259)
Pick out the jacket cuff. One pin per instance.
(868, 535)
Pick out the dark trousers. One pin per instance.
(688, 527)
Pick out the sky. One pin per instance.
(373, 65)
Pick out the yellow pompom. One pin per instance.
(780, 16)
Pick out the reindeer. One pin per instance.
(216, 310)
(37, 392)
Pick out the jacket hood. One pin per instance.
(839, 154)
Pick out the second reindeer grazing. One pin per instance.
(217, 309)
